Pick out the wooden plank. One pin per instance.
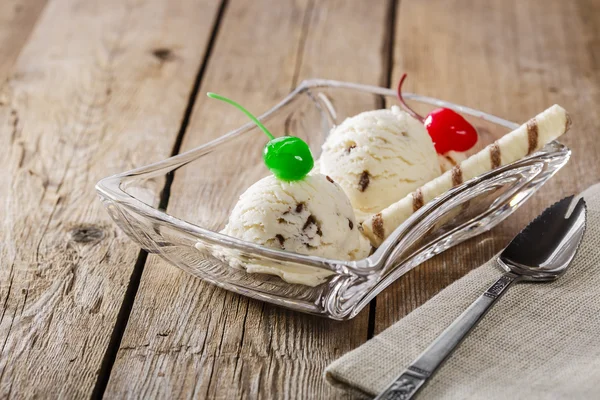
(188, 338)
(17, 20)
(97, 82)
(512, 59)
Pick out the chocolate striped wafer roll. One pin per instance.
(511, 147)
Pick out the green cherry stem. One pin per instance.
(287, 157)
(242, 109)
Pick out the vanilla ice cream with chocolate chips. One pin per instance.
(311, 216)
(378, 157)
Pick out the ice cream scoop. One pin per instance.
(378, 157)
(310, 216)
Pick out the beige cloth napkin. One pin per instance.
(540, 341)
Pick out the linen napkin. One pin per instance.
(540, 341)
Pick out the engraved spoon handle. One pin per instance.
(414, 377)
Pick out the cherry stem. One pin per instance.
(242, 109)
(406, 107)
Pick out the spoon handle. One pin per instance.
(414, 377)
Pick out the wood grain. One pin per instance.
(189, 338)
(512, 59)
(17, 20)
(90, 89)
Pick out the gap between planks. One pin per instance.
(110, 355)
(386, 81)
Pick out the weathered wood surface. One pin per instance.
(17, 20)
(512, 59)
(190, 339)
(96, 82)
(91, 82)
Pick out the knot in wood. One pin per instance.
(87, 234)
(163, 54)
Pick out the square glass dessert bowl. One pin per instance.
(206, 182)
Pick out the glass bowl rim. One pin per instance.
(110, 187)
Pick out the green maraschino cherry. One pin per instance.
(287, 157)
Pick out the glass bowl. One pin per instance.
(210, 178)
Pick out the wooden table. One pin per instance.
(95, 87)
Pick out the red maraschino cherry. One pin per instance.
(448, 129)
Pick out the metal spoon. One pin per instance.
(539, 253)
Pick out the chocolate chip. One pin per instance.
(299, 207)
(329, 178)
(309, 221)
(281, 220)
(350, 148)
(350, 224)
(281, 239)
(363, 183)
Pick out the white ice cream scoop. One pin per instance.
(311, 216)
(378, 157)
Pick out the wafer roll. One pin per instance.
(513, 146)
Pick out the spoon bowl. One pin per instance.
(530, 255)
